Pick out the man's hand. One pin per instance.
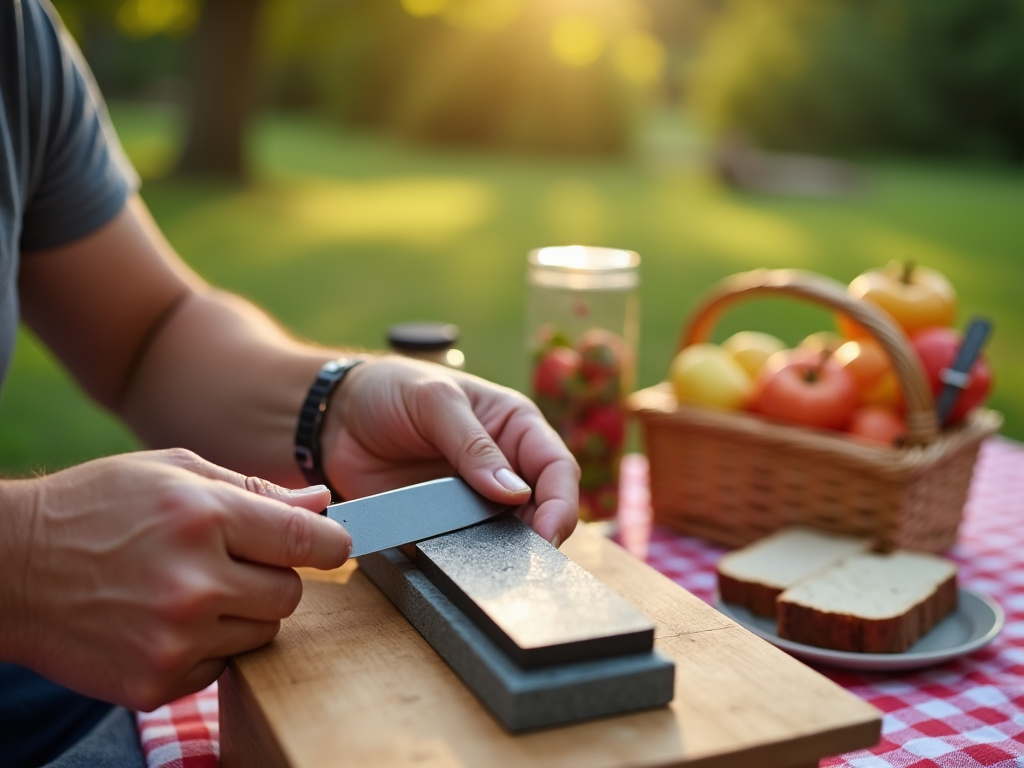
(137, 575)
(397, 421)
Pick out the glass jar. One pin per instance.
(428, 341)
(581, 334)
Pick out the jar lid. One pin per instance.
(422, 337)
(583, 267)
(585, 258)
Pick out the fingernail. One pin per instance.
(510, 481)
(556, 540)
(311, 490)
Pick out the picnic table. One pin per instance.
(961, 714)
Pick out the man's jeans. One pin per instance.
(113, 743)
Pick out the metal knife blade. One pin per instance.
(410, 514)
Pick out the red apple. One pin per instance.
(937, 348)
(817, 393)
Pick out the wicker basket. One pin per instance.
(733, 477)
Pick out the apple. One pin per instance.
(792, 387)
(917, 297)
(751, 349)
(937, 348)
(821, 341)
(706, 373)
(877, 424)
(885, 392)
(555, 371)
(866, 360)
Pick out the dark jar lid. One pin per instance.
(422, 337)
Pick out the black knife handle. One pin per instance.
(956, 378)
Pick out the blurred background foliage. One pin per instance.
(515, 74)
(923, 76)
(931, 76)
(402, 156)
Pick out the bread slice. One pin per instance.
(869, 603)
(757, 574)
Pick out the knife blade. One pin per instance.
(411, 514)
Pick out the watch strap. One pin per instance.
(311, 417)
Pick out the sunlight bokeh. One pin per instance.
(641, 58)
(145, 18)
(577, 40)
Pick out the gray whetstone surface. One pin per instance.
(520, 699)
(535, 603)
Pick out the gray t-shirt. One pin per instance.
(62, 176)
(62, 171)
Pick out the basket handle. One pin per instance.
(922, 423)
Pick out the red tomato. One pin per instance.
(937, 348)
(877, 425)
(601, 431)
(794, 387)
(555, 372)
(602, 353)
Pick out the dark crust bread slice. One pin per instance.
(843, 632)
(758, 598)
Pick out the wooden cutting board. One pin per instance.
(349, 682)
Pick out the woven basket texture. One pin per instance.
(733, 477)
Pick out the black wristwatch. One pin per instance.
(311, 418)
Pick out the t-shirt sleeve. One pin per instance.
(79, 176)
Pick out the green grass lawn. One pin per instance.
(342, 234)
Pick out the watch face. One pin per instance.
(331, 366)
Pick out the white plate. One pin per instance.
(974, 624)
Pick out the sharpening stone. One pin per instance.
(535, 603)
(519, 698)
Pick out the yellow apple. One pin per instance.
(917, 297)
(706, 373)
(821, 341)
(751, 349)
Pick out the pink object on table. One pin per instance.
(184, 733)
(966, 713)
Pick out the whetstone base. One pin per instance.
(519, 698)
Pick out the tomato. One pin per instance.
(603, 358)
(937, 348)
(877, 425)
(555, 372)
(916, 297)
(602, 353)
(795, 387)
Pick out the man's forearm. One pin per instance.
(17, 511)
(223, 380)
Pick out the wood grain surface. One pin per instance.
(349, 682)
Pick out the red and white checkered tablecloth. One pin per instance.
(966, 713)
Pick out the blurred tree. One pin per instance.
(222, 63)
(221, 93)
(838, 75)
(561, 76)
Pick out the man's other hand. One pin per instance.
(140, 573)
